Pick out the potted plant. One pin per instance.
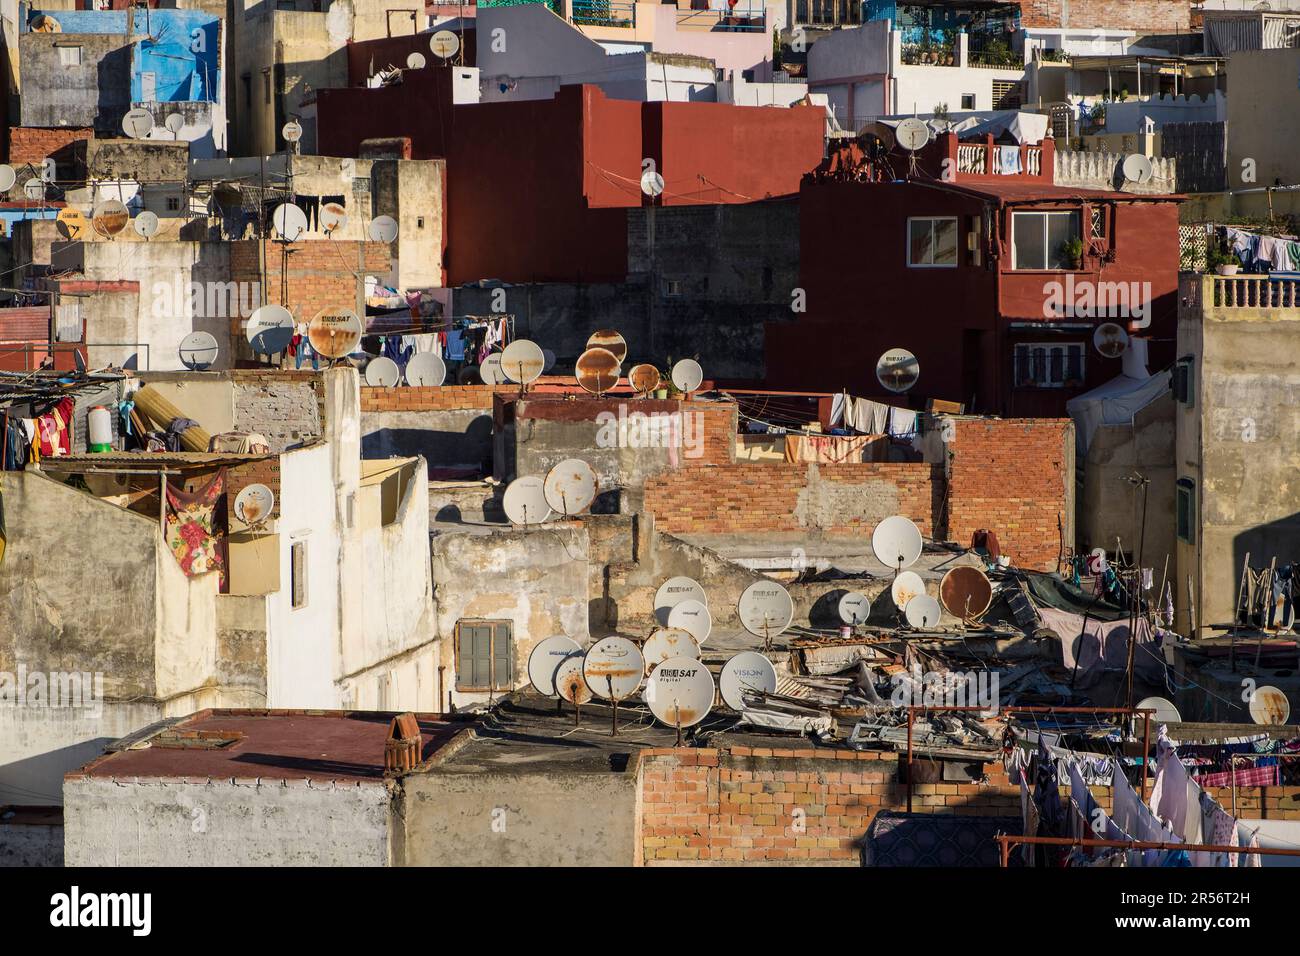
(1072, 251)
(1221, 261)
(664, 383)
(1099, 115)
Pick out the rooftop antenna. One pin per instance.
(680, 693)
(666, 642)
(693, 617)
(333, 218)
(570, 487)
(1269, 706)
(416, 61)
(1137, 168)
(897, 544)
(673, 592)
(912, 134)
(138, 123)
(335, 333)
(525, 501)
(1165, 711)
(426, 369)
(8, 176)
(747, 671)
(544, 665)
(644, 379)
(613, 669)
(290, 221)
(174, 123)
(1110, 339)
(765, 610)
(72, 223)
(597, 370)
(109, 218)
(922, 611)
(854, 608)
(444, 44)
(199, 351)
(383, 229)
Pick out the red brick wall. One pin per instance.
(1015, 477)
(1145, 16)
(30, 144)
(431, 399)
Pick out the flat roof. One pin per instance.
(1010, 190)
(316, 745)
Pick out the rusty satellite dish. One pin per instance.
(335, 333)
(680, 692)
(597, 370)
(611, 340)
(966, 592)
(525, 501)
(545, 660)
(254, 504)
(570, 487)
(613, 668)
(693, 618)
(1269, 706)
(644, 378)
(905, 587)
(673, 592)
(748, 670)
(109, 218)
(523, 361)
(668, 642)
(1110, 339)
(333, 217)
(569, 682)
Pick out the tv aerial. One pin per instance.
(765, 610)
(966, 592)
(854, 608)
(335, 333)
(672, 592)
(922, 611)
(444, 44)
(611, 340)
(290, 221)
(426, 369)
(668, 642)
(597, 370)
(896, 542)
(613, 669)
(137, 123)
(906, 586)
(383, 229)
(652, 183)
(416, 61)
(687, 375)
(545, 659)
(693, 617)
(525, 501)
(145, 224)
(490, 370)
(912, 134)
(254, 504)
(270, 329)
(198, 351)
(898, 370)
(522, 361)
(680, 693)
(383, 372)
(644, 379)
(747, 671)
(1110, 339)
(109, 218)
(1269, 706)
(570, 487)
(1137, 168)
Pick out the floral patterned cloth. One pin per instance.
(196, 528)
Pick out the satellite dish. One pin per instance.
(613, 668)
(444, 44)
(652, 184)
(748, 670)
(525, 500)
(254, 504)
(383, 229)
(1137, 168)
(335, 333)
(611, 340)
(644, 378)
(687, 375)
(906, 586)
(1165, 711)
(7, 178)
(550, 360)
(668, 642)
(426, 369)
(34, 190)
(198, 351)
(491, 371)
(72, 223)
(569, 682)
(855, 608)
(912, 134)
(109, 218)
(382, 372)
(270, 329)
(1269, 705)
(545, 660)
(46, 24)
(966, 592)
(922, 611)
(570, 487)
(522, 361)
(898, 370)
(145, 224)
(1110, 339)
(289, 221)
(673, 592)
(896, 542)
(137, 123)
(693, 617)
(765, 609)
(597, 370)
(291, 131)
(333, 217)
(680, 692)
(416, 61)
(174, 123)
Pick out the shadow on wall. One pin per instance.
(114, 76)
(472, 447)
(1280, 539)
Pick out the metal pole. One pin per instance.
(910, 716)
(1146, 751)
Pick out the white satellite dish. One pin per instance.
(145, 224)
(748, 670)
(652, 184)
(416, 61)
(174, 123)
(522, 361)
(1165, 711)
(1110, 339)
(270, 329)
(289, 221)
(680, 692)
(765, 609)
(198, 351)
(569, 682)
(896, 542)
(1137, 168)
(693, 617)
(444, 44)
(898, 370)
(570, 487)
(333, 218)
(668, 642)
(547, 355)
(613, 668)
(545, 661)
(383, 229)
(491, 372)
(7, 178)
(382, 372)
(34, 190)
(426, 369)
(254, 504)
(525, 501)
(673, 592)
(922, 611)
(905, 587)
(291, 131)
(687, 375)
(137, 123)
(1269, 706)
(855, 608)
(912, 134)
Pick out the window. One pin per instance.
(173, 203)
(1186, 510)
(1054, 365)
(1183, 382)
(484, 655)
(298, 574)
(1037, 237)
(70, 55)
(968, 101)
(419, 222)
(672, 287)
(266, 87)
(932, 242)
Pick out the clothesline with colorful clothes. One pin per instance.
(1260, 253)
(867, 417)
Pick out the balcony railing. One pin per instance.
(1256, 292)
(603, 13)
(749, 19)
(979, 159)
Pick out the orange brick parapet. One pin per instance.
(432, 399)
(1144, 16)
(32, 144)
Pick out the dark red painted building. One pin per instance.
(971, 276)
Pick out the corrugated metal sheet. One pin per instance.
(25, 324)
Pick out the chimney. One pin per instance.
(402, 749)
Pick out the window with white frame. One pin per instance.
(1038, 238)
(932, 242)
(1049, 365)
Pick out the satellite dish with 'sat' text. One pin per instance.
(747, 671)
(270, 329)
(693, 617)
(426, 369)
(444, 44)
(199, 351)
(687, 375)
(335, 333)
(522, 361)
(668, 642)
(597, 370)
(613, 668)
(673, 592)
(898, 370)
(854, 608)
(383, 372)
(570, 487)
(491, 372)
(524, 501)
(680, 692)
(109, 218)
(906, 586)
(254, 504)
(545, 660)
(765, 608)
(896, 542)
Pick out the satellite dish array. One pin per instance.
(568, 489)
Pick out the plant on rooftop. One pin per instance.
(1072, 250)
